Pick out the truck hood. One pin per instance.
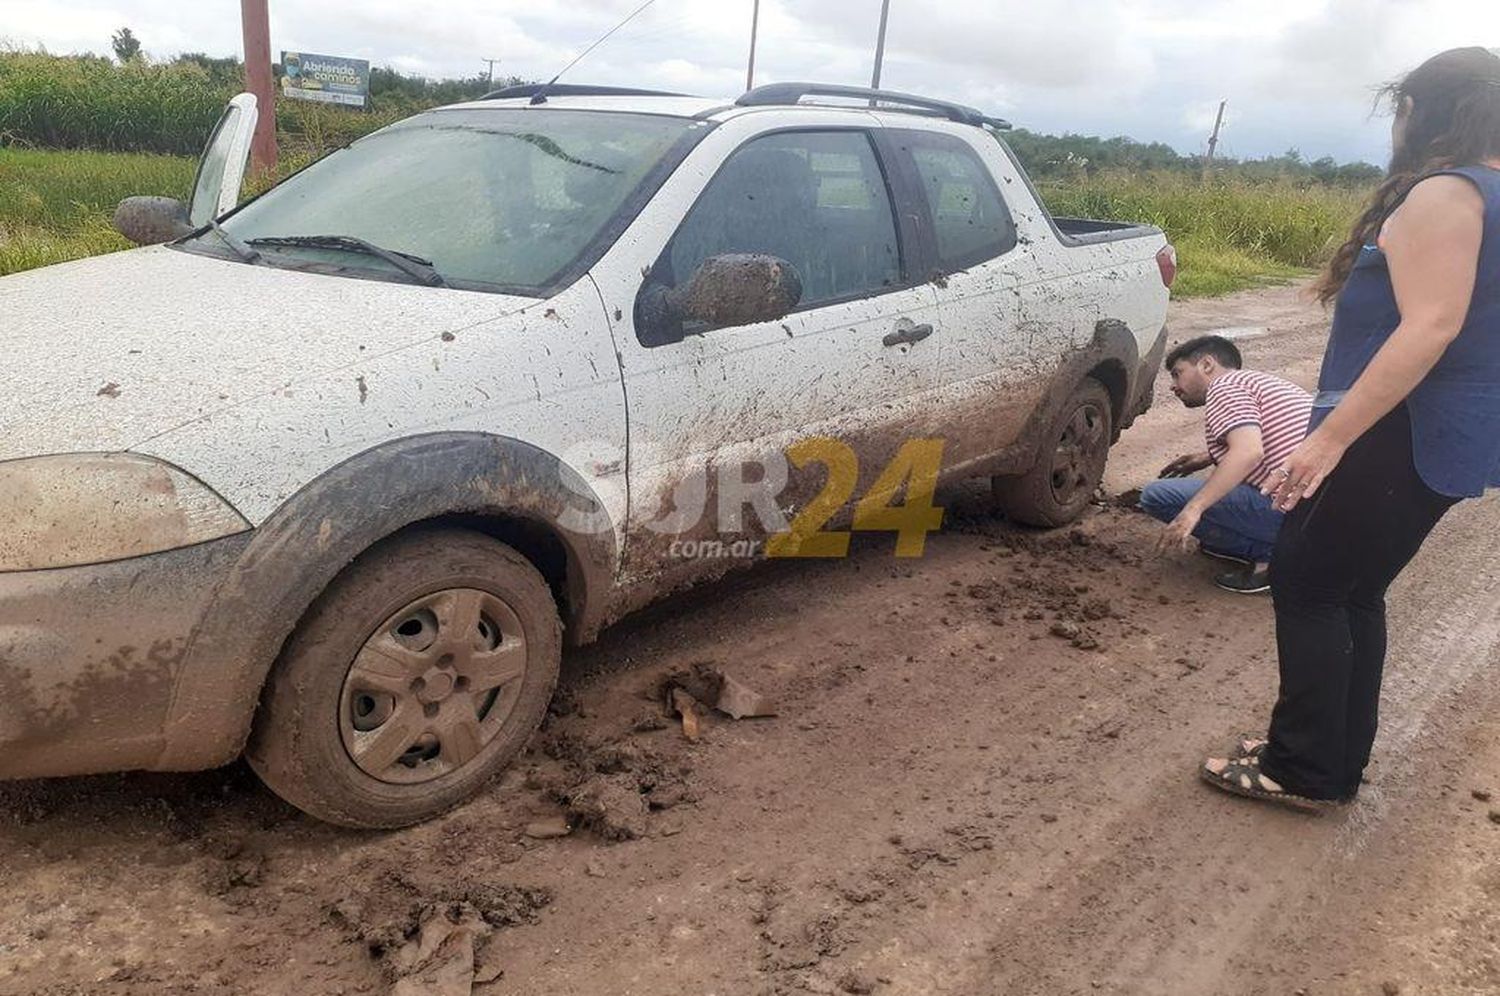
(104, 353)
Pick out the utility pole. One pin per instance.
(491, 63)
(1213, 140)
(255, 19)
(885, 15)
(754, 30)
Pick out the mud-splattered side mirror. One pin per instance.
(725, 291)
(148, 221)
(737, 289)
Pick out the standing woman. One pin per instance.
(1406, 424)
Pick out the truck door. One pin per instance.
(849, 363)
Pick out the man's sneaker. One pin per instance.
(1250, 581)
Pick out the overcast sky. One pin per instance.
(1297, 73)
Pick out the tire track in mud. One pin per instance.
(1177, 887)
(1444, 633)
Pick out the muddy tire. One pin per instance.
(1070, 464)
(418, 675)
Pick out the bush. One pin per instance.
(90, 103)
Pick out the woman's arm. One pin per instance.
(1432, 247)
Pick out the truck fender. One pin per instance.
(317, 532)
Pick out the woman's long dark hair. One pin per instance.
(1455, 121)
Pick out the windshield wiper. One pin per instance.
(413, 266)
(240, 249)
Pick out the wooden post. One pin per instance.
(256, 20)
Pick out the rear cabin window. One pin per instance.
(970, 220)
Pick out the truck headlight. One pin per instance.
(89, 508)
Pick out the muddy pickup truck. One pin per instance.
(329, 479)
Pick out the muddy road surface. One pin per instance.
(980, 780)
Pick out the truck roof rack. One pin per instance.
(572, 90)
(789, 94)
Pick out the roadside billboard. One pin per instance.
(329, 79)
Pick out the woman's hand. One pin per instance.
(1304, 471)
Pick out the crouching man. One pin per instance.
(1252, 422)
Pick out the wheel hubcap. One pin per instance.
(1079, 455)
(432, 686)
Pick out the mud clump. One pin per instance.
(611, 789)
(702, 681)
(391, 910)
(610, 805)
(223, 877)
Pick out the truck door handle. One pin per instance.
(906, 333)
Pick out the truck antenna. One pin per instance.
(540, 97)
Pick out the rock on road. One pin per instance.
(980, 780)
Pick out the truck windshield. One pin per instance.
(502, 199)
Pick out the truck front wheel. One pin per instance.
(417, 676)
(1069, 466)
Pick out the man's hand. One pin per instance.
(1179, 532)
(1188, 463)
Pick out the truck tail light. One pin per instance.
(1166, 260)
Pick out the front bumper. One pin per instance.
(90, 657)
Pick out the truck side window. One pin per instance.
(815, 199)
(970, 219)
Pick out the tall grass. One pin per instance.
(85, 102)
(1229, 233)
(56, 206)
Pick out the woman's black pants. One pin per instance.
(1336, 555)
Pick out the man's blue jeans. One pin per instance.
(1241, 524)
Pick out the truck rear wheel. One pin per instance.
(417, 676)
(1070, 464)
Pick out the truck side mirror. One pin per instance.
(725, 291)
(148, 221)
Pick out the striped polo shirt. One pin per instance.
(1248, 397)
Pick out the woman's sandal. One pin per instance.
(1248, 746)
(1242, 776)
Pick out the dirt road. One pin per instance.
(980, 781)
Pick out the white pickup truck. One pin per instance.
(331, 478)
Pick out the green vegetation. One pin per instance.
(56, 206)
(89, 102)
(1229, 233)
(1080, 156)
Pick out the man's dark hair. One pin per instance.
(1216, 346)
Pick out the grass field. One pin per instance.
(56, 205)
(1229, 234)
